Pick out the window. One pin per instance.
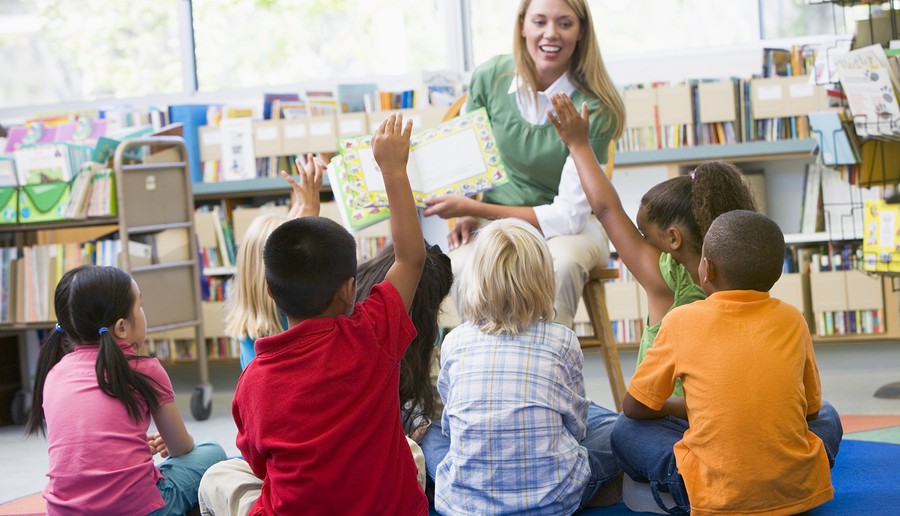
(76, 50)
(636, 26)
(250, 43)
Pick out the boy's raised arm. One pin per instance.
(390, 146)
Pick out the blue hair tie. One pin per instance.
(59, 329)
(102, 331)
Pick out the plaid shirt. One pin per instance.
(515, 410)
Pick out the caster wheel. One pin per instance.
(200, 409)
(20, 407)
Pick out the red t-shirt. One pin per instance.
(318, 415)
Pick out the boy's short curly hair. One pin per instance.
(747, 249)
(306, 261)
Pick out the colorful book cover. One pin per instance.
(352, 97)
(458, 156)
(354, 209)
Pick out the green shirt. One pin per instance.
(533, 155)
(686, 291)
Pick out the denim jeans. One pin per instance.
(181, 477)
(600, 423)
(644, 450)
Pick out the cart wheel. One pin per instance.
(200, 409)
(20, 407)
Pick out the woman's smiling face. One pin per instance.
(551, 30)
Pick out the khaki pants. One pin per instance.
(573, 258)
(230, 487)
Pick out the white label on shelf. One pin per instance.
(769, 92)
(295, 131)
(351, 127)
(267, 133)
(320, 128)
(886, 229)
(210, 138)
(802, 90)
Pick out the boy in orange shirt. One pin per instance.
(757, 441)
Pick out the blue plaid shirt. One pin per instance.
(515, 410)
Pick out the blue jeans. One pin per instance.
(181, 477)
(435, 445)
(644, 450)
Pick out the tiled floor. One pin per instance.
(850, 375)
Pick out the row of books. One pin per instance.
(842, 299)
(215, 237)
(169, 350)
(705, 112)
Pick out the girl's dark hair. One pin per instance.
(694, 201)
(53, 348)
(415, 367)
(87, 299)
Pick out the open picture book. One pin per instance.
(458, 156)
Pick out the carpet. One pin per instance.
(864, 477)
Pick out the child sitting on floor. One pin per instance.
(752, 392)
(317, 410)
(95, 396)
(518, 432)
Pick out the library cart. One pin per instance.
(155, 196)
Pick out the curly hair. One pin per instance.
(695, 200)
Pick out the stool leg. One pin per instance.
(595, 302)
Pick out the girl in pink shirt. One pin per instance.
(94, 398)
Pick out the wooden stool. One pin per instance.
(595, 302)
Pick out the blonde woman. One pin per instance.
(251, 313)
(518, 433)
(555, 50)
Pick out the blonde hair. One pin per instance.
(250, 311)
(586, 68)
(508, 283)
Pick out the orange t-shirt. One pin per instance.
(750, 379)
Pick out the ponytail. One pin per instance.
(118, 379)
(52, 350)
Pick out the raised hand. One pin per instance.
(390, 144)
(571, 126)
(306, 191)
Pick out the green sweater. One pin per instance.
(533, 155)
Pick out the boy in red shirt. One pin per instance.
(317, 411)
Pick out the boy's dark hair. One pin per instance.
(695, 200)
(89, 298)
(747, 249)
(306, 261)
(434, 286)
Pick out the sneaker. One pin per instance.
(638, 497)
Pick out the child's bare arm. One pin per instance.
(390, 146)
(641, 257)
(174, 436)
(674, 406)
(306, 192)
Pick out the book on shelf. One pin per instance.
(272, 103)
(238, 158)
(50, 163)
(870, 85)
(837, 141)
(458, 156)
(356, 97)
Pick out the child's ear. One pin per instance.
(347, 292)
(674, 237)
(120, 329)
(711, 271)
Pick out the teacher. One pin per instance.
(554, 50)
